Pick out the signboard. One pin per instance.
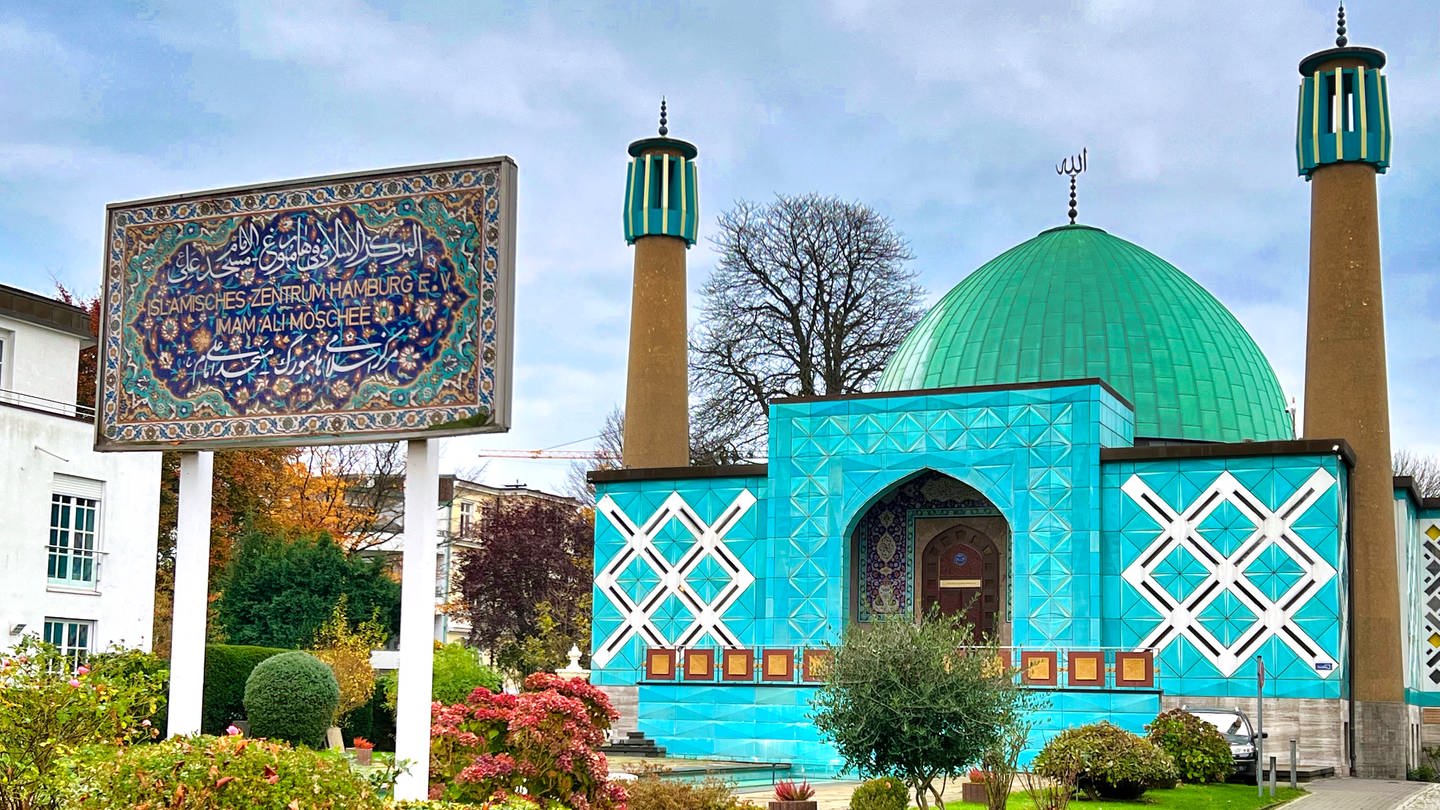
(354, 308)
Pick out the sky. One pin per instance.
(946, 117)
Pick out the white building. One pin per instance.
(77, 545)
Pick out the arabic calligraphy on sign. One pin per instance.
(300, 308)
(343, 308)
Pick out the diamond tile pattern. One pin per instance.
(668, 574)
(1212, 562)
(1429, 604)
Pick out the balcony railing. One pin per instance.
(31, 402)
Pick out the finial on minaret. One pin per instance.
(1340, 27)
(1072, 166)
(664, 130)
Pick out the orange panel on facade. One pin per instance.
(737, 665)
(1087, 668)
(659, 664)
(816, 665)
(777, 665)
(1135, 669)
(1038, 667)
(699, 665)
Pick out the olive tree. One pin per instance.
(918, 700)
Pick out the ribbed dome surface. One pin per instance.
(1077, 302)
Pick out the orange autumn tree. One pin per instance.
(351, 492)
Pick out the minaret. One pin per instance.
(1342, 144)
(661, 215)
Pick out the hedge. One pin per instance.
(227, 667)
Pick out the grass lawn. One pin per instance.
(1185, 797)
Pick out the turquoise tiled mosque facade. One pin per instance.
(1198, 557)
(1081, 451)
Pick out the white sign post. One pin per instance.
(417, 619)
(192, 591)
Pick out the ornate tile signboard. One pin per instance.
(352, 308)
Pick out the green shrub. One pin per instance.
(131, 665)
(920, 701)
(885, 793)
(1109, 761)
(227, 667)
(222, 773)
(291, 697)
(457, 671)
(50, 709)
(1200, 751)
(1422, 773)
(653, 793)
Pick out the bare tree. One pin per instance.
(707, 447)
(811, 296)
(1425, 470)
(607, 451)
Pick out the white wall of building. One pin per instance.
(36, 445)
(39, 363)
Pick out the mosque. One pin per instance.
(1081, 449)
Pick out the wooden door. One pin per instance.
(960, 574)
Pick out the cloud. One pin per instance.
(947, 118)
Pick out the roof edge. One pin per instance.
(1282, 447)
(677, 473)
(51, 313)
(963, 389)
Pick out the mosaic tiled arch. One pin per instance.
(883, 547)
(1029, 451)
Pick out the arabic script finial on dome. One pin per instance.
(664, 130)
(1073, 166)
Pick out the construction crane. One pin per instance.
(576, 455)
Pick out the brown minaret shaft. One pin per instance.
(1343, 143)
(661, 216)
(1346, 395)
(657, 413)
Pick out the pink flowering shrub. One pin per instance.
(51, 709)
(542, 740)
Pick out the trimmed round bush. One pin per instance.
(1200, 751)
(885, 793)
(291, 696)
(227, 667)
(1107, 761)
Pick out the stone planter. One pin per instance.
(973, 792)
(362, 755)
(808, 804)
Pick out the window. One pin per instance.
(72, 637)
(467, 516)
(7, 339)
(74, 530)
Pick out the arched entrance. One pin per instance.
(933, 540)
(960, 574)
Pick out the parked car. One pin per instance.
(1236, 728)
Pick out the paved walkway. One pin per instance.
(1367, 794)
(829, 794)
(1325, 794)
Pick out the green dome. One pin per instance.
(1077, 302)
